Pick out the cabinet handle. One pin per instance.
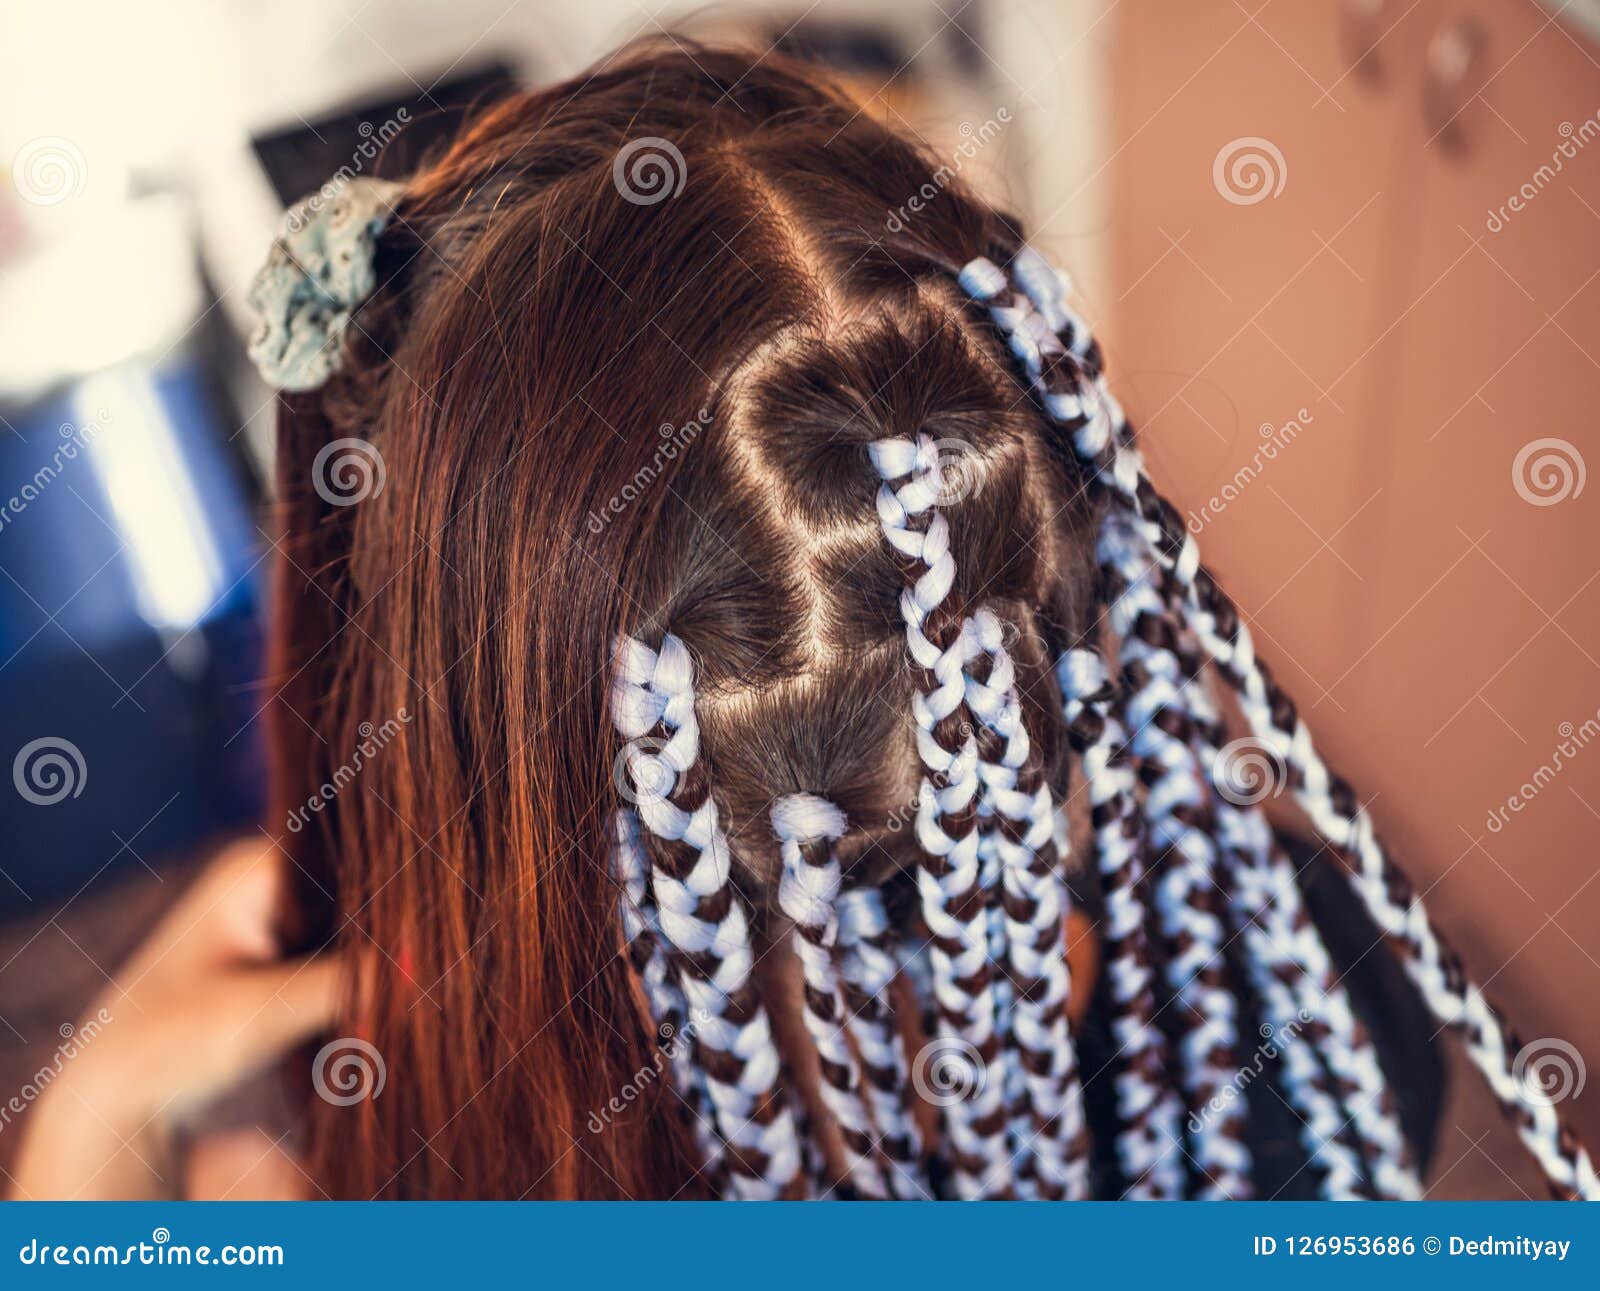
(1452, 77)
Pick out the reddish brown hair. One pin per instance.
(609, 401)
(600, 416)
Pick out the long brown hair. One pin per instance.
(655, 356)
(598, 416)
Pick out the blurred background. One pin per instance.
(1343, 254)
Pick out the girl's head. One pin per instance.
(610, 400)
(727, 573)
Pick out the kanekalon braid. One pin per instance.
(1149, 1138)
(1262, 890)
(1286, 948)
(1432, 964)
(867, 971)
(1292, 1020)
(990, 879)
(1035, 909)
(1185, 891)
(1093, 420)
(1330, 1135)
(948, 877)
(701, 917)
(641, 933)
(807, 826)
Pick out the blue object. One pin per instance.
(130, 642)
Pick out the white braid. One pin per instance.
(1100, 439)
(657, 690)
(1290, 948)
(1057, 1136)
(669, 1010)
(867, 964)
(913, 525)
(1453, 998)
(1258, 906)
(1150, 1142)
(808, 894)
(1354, 1062)
(1208, 1061)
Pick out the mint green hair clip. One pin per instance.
(319, 270)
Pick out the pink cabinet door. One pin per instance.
(1356, 318)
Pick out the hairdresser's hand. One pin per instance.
(205, 1002)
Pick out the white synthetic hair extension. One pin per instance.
(1186, 882)
(1290, 950)
(654, 690)
(950, 876)
(1055, 1134)
(808, 893)
(1149, 1141)
(1097, 430)
(867, 967)
(669, 1010)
